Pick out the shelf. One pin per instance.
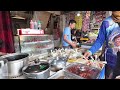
(95, 28)
(89, 46)
(37, 49)
(45, 48)
(34, 35)
(37, 42)
(34, 43)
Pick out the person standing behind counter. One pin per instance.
(66, 38)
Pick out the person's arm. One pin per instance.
(99, 41)
(65, 39)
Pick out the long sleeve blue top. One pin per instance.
(107, 27)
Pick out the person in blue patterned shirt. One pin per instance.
(108, 26)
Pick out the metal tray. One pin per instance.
(67, 75)
(75, 76)
(61, 75)
(57, 75)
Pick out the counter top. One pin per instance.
(23, 77)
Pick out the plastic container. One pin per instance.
(35, 25)
(31, 24)
(39, 25)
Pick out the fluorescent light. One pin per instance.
(18, 17)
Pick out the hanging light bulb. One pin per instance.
(78, 14)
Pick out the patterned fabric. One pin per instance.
(86, 24)
(100, 16)
(6, 34)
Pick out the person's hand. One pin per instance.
(87, 54)
(74, 45)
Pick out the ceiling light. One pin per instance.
(18, 17)
(78, 14)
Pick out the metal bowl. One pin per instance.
(34, 71)
(16, 62)
(58, 64)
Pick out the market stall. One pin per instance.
(46, 62)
